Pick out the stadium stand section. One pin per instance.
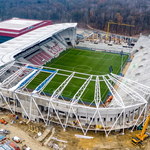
(39, 58)
(53, 47)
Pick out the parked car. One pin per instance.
(16, 139)
(3, 131)
(25, 147)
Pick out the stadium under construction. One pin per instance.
(98, 101)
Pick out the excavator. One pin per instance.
(143, 135)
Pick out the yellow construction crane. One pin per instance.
(143, 135)
(120, 24)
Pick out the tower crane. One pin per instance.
(120, 24)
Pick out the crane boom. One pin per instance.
(143, 134)
(141, 137)
(120, 24)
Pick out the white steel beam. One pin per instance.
(78, 96)
(30, 80)
(80, 92)
(145, 89)
(4, 69)
(32, 98)
(13, 77)
(145, 107)
(51, 103)
(102, 121)
(60, 89)
(49, 80)
(22, 106)
(78, 121)
(136, 96)
(97, 94)
(6, 102)
(115, 94)
(116, 121)
(57, 93)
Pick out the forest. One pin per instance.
(94, 13)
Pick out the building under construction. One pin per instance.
(22, 59)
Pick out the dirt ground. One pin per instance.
(114, 141)
(28, 140)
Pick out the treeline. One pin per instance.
(95, 13)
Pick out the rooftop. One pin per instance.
(18, 24)
(139, 68)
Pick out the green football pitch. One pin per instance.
(84, 61)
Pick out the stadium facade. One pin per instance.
(21, 60)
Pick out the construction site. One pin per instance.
(61, 91)
(53, 137)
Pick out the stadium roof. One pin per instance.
(17, 23)
(13, 47)
(16, 26)
(139, 67)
